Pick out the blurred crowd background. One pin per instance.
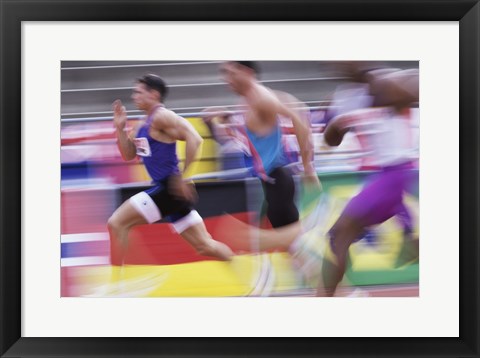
(89, 154)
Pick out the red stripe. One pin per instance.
(157, 244)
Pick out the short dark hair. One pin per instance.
(155, 83)
(250, 64)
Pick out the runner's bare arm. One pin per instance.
(294, 104)
(396, 88)
(192, 146)
(335, 131)
(179, 128)
(124, 141)
(215, 119)
(304, 137)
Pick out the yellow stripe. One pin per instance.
(198, 279)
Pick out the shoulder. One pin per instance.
(164, 117)
(285, 97)
(163, 112)
(292, 102)
(263, 100)
(271, 95)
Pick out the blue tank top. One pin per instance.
(160, 158)
(269, 149)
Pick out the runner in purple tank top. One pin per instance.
(154, 140)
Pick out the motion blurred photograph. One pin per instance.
(235, 178)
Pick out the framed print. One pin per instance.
(64, 292)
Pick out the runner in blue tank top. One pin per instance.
(160, 158)
(154, 140)
(262, 129)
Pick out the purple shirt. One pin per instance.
(160, 158)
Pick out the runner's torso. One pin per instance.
(386, 134)
(160, 158)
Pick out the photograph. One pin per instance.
(240, 178)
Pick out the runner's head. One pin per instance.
(239, 74)
(149, 90)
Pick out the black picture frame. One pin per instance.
(13, 12)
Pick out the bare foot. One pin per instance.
(222, 251)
